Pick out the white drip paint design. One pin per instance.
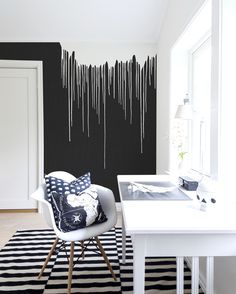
(91, 86)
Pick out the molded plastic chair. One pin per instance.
(107, 201)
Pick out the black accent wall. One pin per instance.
(83, 153)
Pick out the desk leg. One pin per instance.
(139, 264)
(195, 275)
(180, 275)
(210, 275)
(123, 241)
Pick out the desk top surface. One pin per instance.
(179, 217)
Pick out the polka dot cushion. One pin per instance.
(62, 187)
(76, 204)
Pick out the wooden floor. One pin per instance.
(11, 222)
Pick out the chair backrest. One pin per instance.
(62, 175)
(46, 211)
(107, 201)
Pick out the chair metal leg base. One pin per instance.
(105, 257)
(48, 257)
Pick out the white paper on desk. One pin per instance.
(149, 188)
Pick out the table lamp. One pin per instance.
(184, 111)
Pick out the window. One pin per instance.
(200, 93)
(194, 142)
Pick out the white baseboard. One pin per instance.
(202, 278)
(118, 206)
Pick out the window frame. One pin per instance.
(195, 29)
(207, 37)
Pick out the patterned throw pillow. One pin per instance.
(62, 187)
(76, 211)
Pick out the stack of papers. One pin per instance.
(133, 187)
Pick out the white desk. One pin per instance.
(176, 228)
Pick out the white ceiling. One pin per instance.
(81, 20)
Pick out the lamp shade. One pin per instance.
(184, 112)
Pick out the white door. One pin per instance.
(18, 137)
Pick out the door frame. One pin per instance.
(38, 65)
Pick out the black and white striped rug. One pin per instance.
(22, 257)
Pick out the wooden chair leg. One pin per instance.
(48, 257)
(105, 257)
(82, 248)
(71, 264)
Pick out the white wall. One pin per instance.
(178, 16)
(225, 267)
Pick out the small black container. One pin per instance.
(188, 183)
